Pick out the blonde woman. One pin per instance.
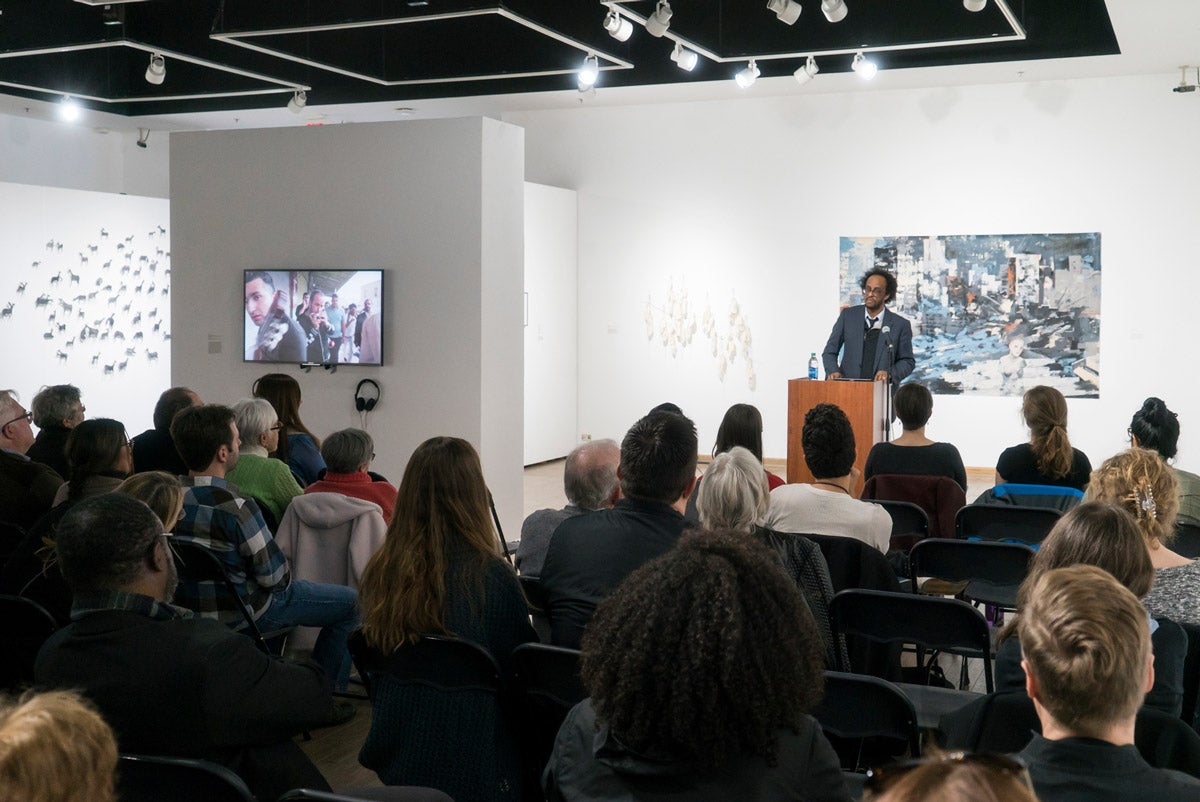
(54, 747)
(1048, 458)
(1139, 481)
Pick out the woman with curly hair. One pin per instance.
(1139, 481)
(701, 668)
(296, 446)
(1156, 427)
(1048, 458)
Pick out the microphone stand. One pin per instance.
(887, 404)
(499, 529)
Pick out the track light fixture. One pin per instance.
(617, 26)
(589, 72)
(748, 75)
(68, 109)
(1184, 86)
(686, 59)
(834, 10)
(156, 73)
(658, 22)
(788, 11)
(807, 71)
(865, 68)
(974, 5)
(298, 102)
(143, 138)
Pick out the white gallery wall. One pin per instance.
(85, 298)
(736, 207)
(438, 205)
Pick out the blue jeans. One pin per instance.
(334, 608)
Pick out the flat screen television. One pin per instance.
(313, 317)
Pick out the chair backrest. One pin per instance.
(1028, 525)
(857, 707)
(546, 680)
(910, 523)
(1021, 495)
(395, 793)
(27, 625)
(197, 564)
(994, 570)
(931, 622)
(1187, 541)
(265, 511)
(143, 778)
(11, 535)
(939, 496)
(439, 661)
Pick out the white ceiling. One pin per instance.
(1156, 37)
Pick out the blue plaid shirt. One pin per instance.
(215, 517)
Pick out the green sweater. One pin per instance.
(267, 480)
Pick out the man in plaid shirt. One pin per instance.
(217, 517)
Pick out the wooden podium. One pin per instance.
(864, 403)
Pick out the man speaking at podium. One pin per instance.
(874, 343)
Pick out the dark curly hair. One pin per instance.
(828, 442)
(704, 653)
(891, 288)
(1156, 428)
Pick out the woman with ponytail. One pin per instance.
(1048, 458)
(1157, 428)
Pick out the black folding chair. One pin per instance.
(197, 564)
(1187, 541)
(535, 596)
(1028, 525)
(910, 523)
(143, 778)
(438, 717)
(930, 622)
(26, 626)
(547, 685)
(868, 720)
(993, 571)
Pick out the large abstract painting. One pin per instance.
(992, 314)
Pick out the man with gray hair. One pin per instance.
(590, 482)
(168, 682)
(27, 488)
(56, 410)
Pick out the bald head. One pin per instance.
(590, 476)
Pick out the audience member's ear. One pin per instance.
(1031, 687)
(1150, 673)
(615, 497)
(687, 491)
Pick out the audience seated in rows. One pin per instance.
(591, 554)
(56, 411)
(1085, 643)
(912, 452)
(589, 482)
(828, 506)
(256, 475)
(439, 572)
(1048, 458)
(170, 683)
(100, 456)
(297, 446)
(1157, 428)
(701, 669)
(153, 449)
(1139, 481)
(734, 497)
(348, 454)
(952, 777)
(215, 517)
(27, 488)
(54, 747)
(1106, 536)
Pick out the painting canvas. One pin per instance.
(992, 314)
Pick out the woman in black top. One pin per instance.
(1048, 458)
(912, 452)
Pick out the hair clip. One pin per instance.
(1145, 501)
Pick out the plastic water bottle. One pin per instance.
(812, 366)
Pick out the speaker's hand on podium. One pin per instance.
(834, 375)
(882, 376)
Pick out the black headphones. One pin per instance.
(363, 404)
